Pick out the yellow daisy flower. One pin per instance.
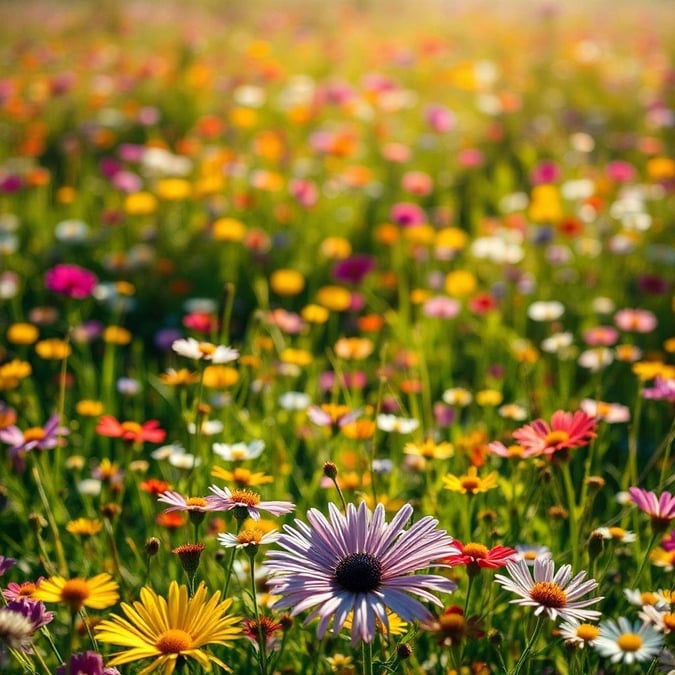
(84, 527)
(164, 630)
(470, 483)
(98, 592)
(241, 477)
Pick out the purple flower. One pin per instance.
(661, 509)
(668, 542)
(358, 565)
(71, 280)
(85, 663)
(33, 610)
(353, 270)
(5, 564)
(35, 438)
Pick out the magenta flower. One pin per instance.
(406, 214)
(668, 542)
(33, 610)
(245, 503)
(71, 280)
(566, 431)
(660, 509)
(353, 270)
(356, 564)
(663, 390)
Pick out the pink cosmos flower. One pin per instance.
(177, 502)
(635, 320)
(660, 509)
(439, 118)
(663, 390)
(71, 280)
(566, 431)
(513, 451)
(356, 563)
(612, 413)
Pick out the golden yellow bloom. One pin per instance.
(66, 194)
(12, 372)
(545, 206)
(264, 524)
(117, 335)
(125, 288)
(359, 430)
(451, 238)
(53, 349)
(669, 345)
(661, 168)
(419, 295)
(241, 477)
(488, 397)
(166, 629)
(99, 592)
(173, 189)
(22, 334)
(179, 378)
(334, 298)
(219, 376)
(460, 283)
(336, 248)
(354, 348)
(315, 314)
(228, 229)
(397, 626)
(89, 408)
(140, 204)
(421, 234)
(297, 357)
(429, 449)
(647, 370)
(287, 282)
(470, 483)
(243, 118)
(84, 527)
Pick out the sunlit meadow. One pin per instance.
(337, 337)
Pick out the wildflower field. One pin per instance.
(337, 337)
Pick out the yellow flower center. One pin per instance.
(26, 590)
(648, 598)
(530, 555)
(514, 451)
(669, 621)
(245, 497)
(250, 536)
(174, 641)
(629, 642)
(617, 532)
(241, 476)
(555, 437)
(588, 632)
(548, 594)
(206, 348)
(469, 483)
(476, 550)
(133, 427)
(33, 434)
(196, 501)
(74, 593)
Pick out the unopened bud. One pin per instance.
(330, 470)
(404, 651)
(152, 546)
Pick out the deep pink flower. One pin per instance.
(439, 118)
(478, 555)
(406, 214)
(668, 542)
(566, 431)
(71, 280)
(635, 320)
(660, 509)
(663, 390)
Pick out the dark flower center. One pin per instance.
(359, 573)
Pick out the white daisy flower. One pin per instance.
(555, 593)
(626, 642)
(239, 452)
(193, 349)
(578, 634)
(401, 425)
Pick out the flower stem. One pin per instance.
(367, 651)
(528, 648)
(261, 635)
(228, 573)
(638, 575)
(572, 517)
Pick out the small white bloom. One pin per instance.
(90, 487)
(557, 342)
(294, 400)
(399, 425)
(208, 427)
(457, 396)
(184, 460)
(595, 359)
(193, 349)
(545, 310)
(239, 452)
(165, 451)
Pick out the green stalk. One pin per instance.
(528, 648)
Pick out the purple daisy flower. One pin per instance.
(353, 270)
(5, 564)
(245, 503)
(357, 564)
(36, 438)
(33, 610)
(86, 663)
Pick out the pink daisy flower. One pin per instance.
(356, 563)
(478, 555)
(660, 509)
(244, 502)
(566, 431)
(177, 502)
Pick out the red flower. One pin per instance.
(479, 555)
(132, 432)
(567, 431)
(172, 521)
(155, 486)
